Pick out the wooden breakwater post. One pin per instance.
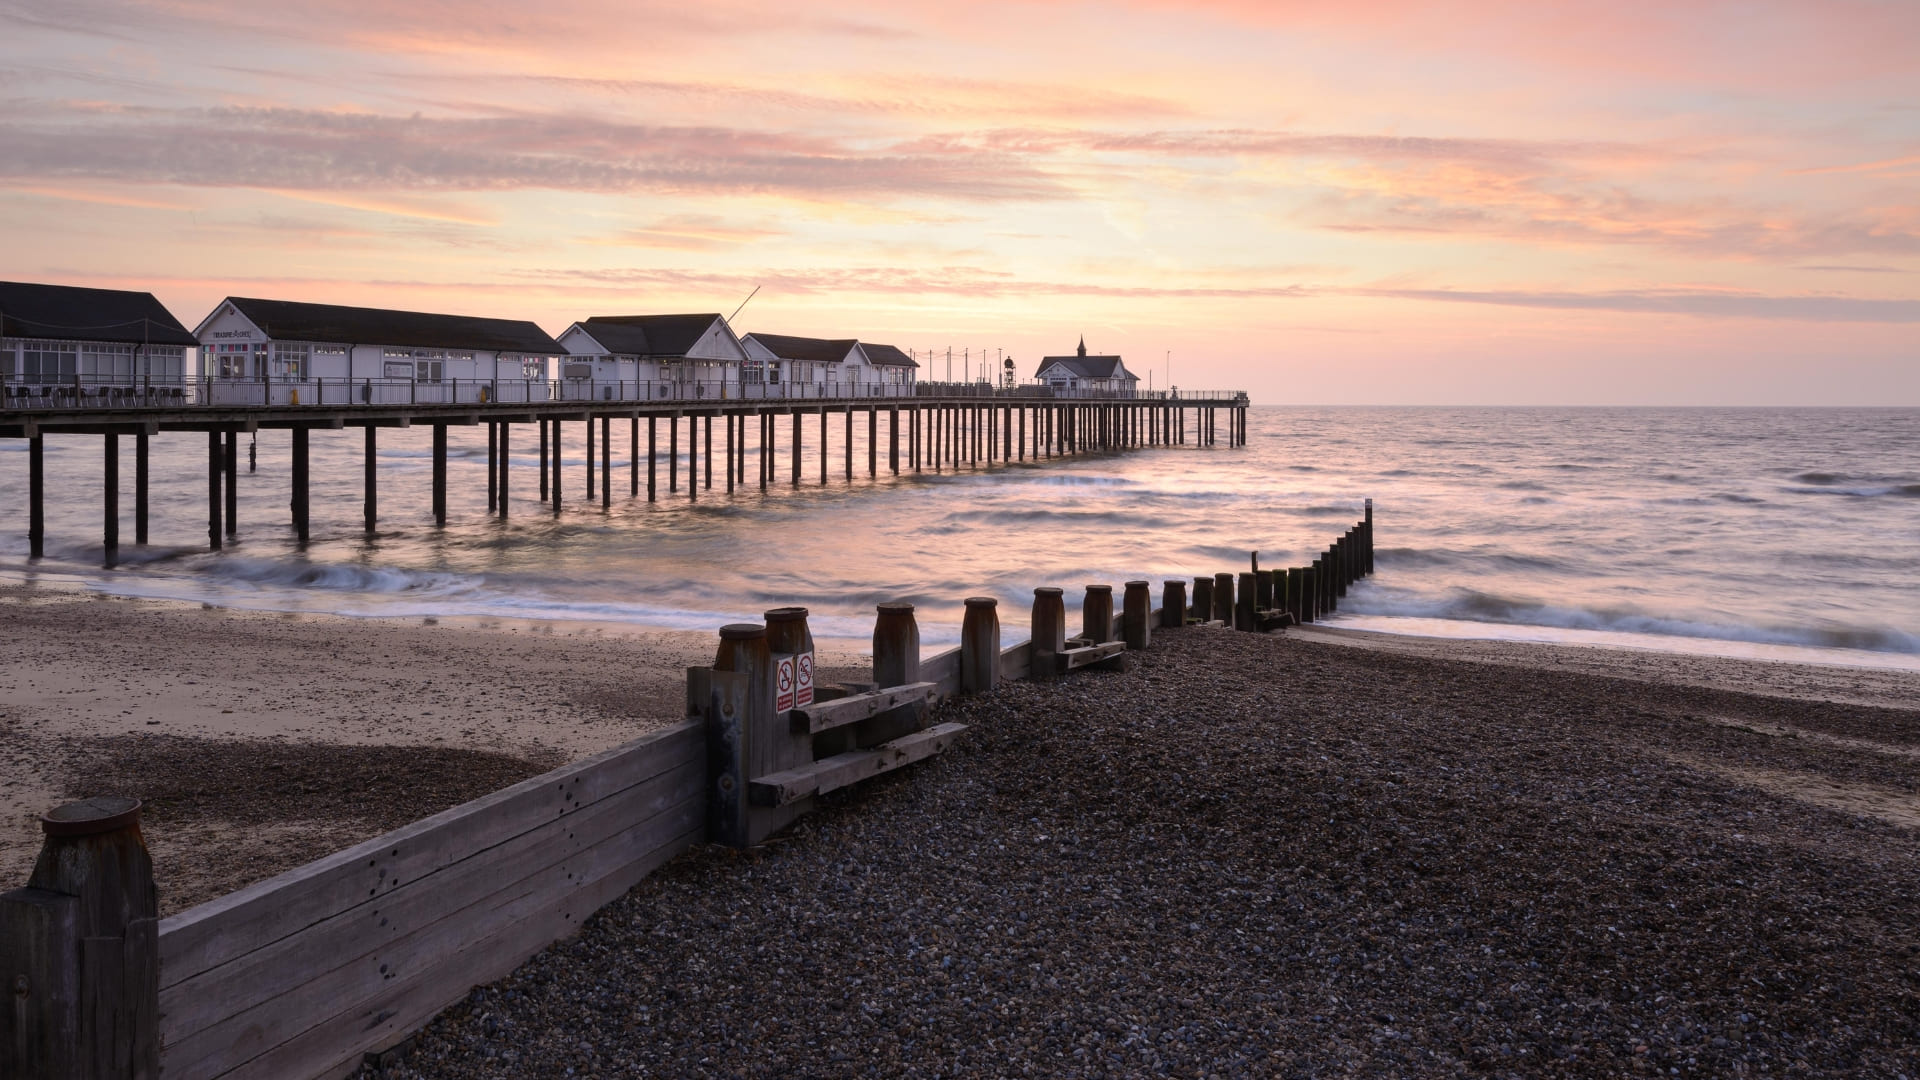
(80, 951)
(1173, 602)
(1202, 599)
(1245, 612)
(1049, 631)
(1223, 599)
(1096, 615)
(896, 662)
(1136, 614)
(980, 645)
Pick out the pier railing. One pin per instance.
(335, 963)
(27, 394)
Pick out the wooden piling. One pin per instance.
(673, 453)
(1049, 631)
(590, 484)
(544, 425)
(693, 457)
(653, 449)
(823, 446)
(370, 502)
(793, 452)
(558, 441)
(847, 444)
(110, 494)
(1202, 599)
(873, 441)
(1246, 615)
(633, 458)
(1173, 602)
(896, 662)
(1223, 598)
(140, 486)
(79, 951)
(893, 440)
(980, 646)
(606, 462)
(439, 474)
(231, 472)
(1309, 594)
(766, 744)
(215, 457)
(37, 497)
(1096, 614)
(1136, 614)
(706, 440)
(493, 466)
(1263, 588)
(506, 430)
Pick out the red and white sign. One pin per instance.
(803, 681)
(783, 683)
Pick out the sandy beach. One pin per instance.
(261, 741)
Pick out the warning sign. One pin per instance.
(803, 680)
(784, 679)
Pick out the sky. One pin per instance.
(1392, 202)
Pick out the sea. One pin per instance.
(1783, 533)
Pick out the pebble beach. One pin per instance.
(1255, 856)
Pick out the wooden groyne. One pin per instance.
(927, 427)
(314, 972)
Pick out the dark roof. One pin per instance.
(817, 350)
(69, 313)
(290, 320)
(887, 356)
(1086, 367)
(650, 335)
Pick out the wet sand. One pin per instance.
(261, 741)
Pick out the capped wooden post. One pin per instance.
(1310, 592)
(1049, 631)
(980, 645)
(1223, 598)
(1263, 588)
(1369, 523)
(896, 662)
(768, 746)
(1202, 599)
(1096, 614)
(1173, 602)
(1245, 615)
(80, 951)
(1136, 614)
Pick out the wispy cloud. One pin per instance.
(1680, 302)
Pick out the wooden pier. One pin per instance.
(933, 428)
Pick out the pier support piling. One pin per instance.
(371, 507)
(232, 468)
(140, 487)
(110, 495)
(303, 480)
(506, 430)
(37, 496)
(606, 462)
(439, 471)
(216, 534)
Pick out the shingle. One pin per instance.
(814, 350)
(887, 356)
(650, 335)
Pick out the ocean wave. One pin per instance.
(1470, 605)
(1898, 491)
(337, 577)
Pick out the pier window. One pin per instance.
(533, 368)
(289, 360)
(165, 363)
(429, 370)
(7, 370)
(49, 362)
(231, 361)
(106, 362)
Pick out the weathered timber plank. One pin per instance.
(943, 671)
(350, 937)
(826, 715)
(830, 774)
(1091, 654)
(1016, 662)
(340, 1014)
(334, 1048)
(246, 919)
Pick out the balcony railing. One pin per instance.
(31, 393)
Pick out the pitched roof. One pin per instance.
(650, 335)
(70, 313)
(291, 320)
(887, 356)
(1087, 367)
(816, 350)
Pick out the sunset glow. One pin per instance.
(1394, 202)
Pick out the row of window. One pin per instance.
(56, 361)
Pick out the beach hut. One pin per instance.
(652, 356)
(893, 369)
(805, 366)
(1106, 374)
(60, 344)
(286, 352)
